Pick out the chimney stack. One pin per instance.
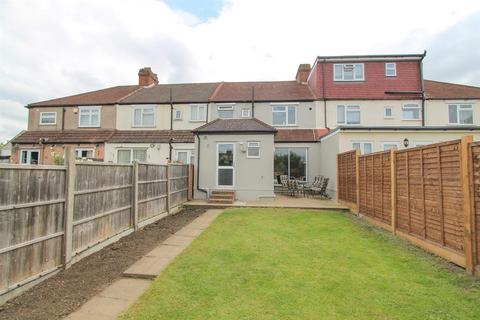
(303, 72)
(146, 77)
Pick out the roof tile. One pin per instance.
(445, 90)
(235, 125)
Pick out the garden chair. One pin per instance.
(293, 187)
(317, 183)
(322, 189)
(284, 182)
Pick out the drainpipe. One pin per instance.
(420, 65)
(170, 150)
(63, 119)
(198, 168)
(253, 102)
(206, 118)
(323, 94)
(171, 110)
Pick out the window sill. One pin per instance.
(363, 80)
(198, 120)
(411, 119)
(47, 124)
(88, 127)
(151, 127)
(284, 125)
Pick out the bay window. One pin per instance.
(348, 114)
(460, 114)
(284, 115)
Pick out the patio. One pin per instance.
(280, 201)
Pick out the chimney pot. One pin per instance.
(147, 77)
(303, 72)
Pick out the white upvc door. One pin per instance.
(225, 165)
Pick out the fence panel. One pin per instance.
(102, 204)
(475, 179)
(346, 175)
(178, 176)
(31, 222)
(430, 196)
(375, 196)
(152, 190)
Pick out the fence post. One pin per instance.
(190, 181)
(71, 174)
(467, 209)
(357, 178)
(393, 188)
(135, 195)
(168, 188)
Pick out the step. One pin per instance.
(223, 192)
(220, 201)
(222, 196)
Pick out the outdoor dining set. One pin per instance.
(296, 187)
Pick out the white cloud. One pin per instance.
(51, 48)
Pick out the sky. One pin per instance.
(54, 48)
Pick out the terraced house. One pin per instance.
(242, 135)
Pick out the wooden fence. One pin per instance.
(429, 195)
(52, 216)
(347, 176)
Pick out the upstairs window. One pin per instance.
(411, 112)
(284, 116)
(225, 111)
(253, 150)
(348, 114)
(198, 112)
(348, 72)
(178, 115)
(144, 117)
(390, 145)
(388, 113)
(391, 69)
(89, 117)
(48, 118)
(246, 113)
(460, 114)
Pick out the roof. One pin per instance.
(251, 125)
(300, 135)
(67, 136)
(263, 91)
(152, 136)
(374, 57)
(445, 90)
(181, 93)
(111, 95)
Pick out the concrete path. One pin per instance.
(116, 298)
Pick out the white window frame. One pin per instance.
(225, 167)
(246, 113)
(79, 150)
(287, 118)
(459, 107)
(131, 152)
(90, 109)
(421, 143)
(253, 144)
(189, 155)
(346, 110)
(394, 143)
(411, 106)
(177, 114)
(226, 107)
(390, 66)
(362, 145)
(385, 113)
(42, 114)
(142, 110)
(343, 65)
(198, 107)
(29, 156)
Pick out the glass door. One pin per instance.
(225, 165)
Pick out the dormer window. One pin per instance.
(348, 72)
(391, 69)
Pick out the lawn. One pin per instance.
(295, 264)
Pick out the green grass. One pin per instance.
(294, 264)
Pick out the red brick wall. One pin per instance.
(374, 85)
(48, 151)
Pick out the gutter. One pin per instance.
(198, 168)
